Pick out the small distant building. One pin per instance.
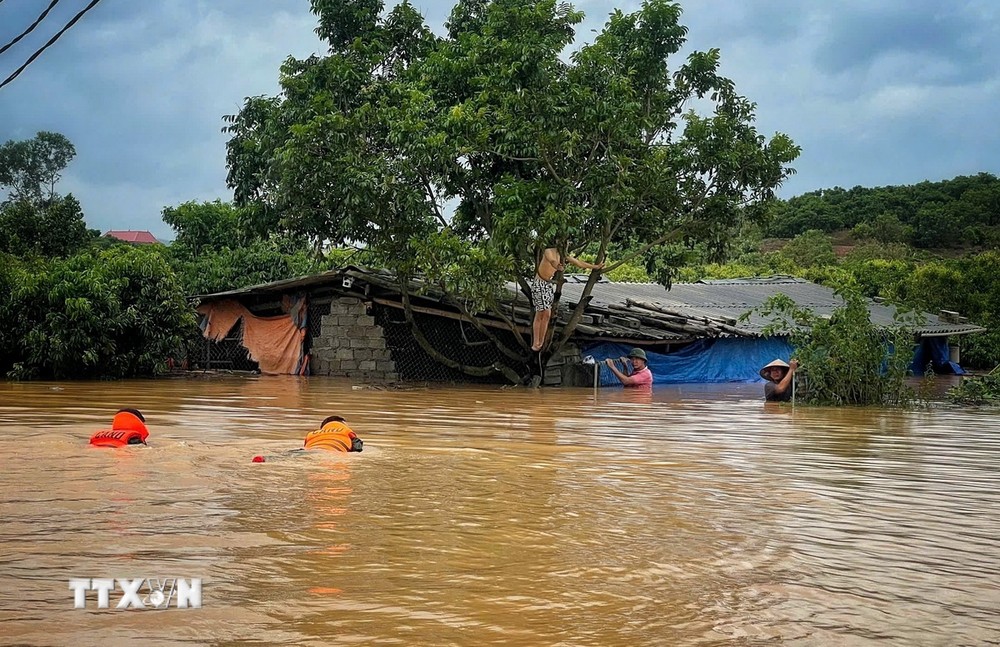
(134, 237)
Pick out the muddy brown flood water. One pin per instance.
(489, 516)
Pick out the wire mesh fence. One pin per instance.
(456, 340)
(225, 354)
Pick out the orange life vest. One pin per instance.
(126, 429)
(335, 436)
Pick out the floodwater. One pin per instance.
(492, 516)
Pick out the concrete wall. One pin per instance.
(351, 345)
(565, 369)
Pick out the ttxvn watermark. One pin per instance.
(139, 593)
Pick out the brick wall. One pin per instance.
(350, 344)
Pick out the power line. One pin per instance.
(30, 28)
(44, 47)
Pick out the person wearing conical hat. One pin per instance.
(779, 375)
(640, 373)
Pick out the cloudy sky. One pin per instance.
(875, 92)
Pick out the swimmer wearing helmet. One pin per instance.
(333, 435)
(128, 427)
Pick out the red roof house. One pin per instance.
(137, 237)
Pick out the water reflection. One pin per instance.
(682, 515)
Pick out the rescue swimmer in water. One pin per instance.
(128, 427)
(333, 435)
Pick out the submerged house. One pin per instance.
(352, 323)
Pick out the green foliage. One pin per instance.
(873, 251)
(34, 219)
(809, 249)
(845, 358)
(30, 169)
(628, 273)
(881, 278)
(204, 227)
(16, 278)
(802, 213)
(666, 263)
(885, 228)
(116, 313)
(71, 306)
(588, 151)
(230, 269)
(340, 257)
(928, 214)
(976, 390)
(52, 227)
(938, 225)
(217, 249)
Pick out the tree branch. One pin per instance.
(502, 347)
(475, 371)
(433, 197)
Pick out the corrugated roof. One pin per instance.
(728, 299)
(648, 311)
(331, 277)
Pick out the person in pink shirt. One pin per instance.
(640, 373)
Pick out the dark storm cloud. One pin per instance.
(951, 34)
(875, 92)
(141, 88)
(887, 92)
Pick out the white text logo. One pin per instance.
(140, 593)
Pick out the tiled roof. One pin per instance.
(130, 236)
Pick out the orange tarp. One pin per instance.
(275, 343)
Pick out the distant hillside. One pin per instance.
(961, 212)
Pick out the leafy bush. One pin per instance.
(845, 358)
(118, 312)
(628, 273)
(872, 251)
(885, 228)
(978, 390)
(810, 249)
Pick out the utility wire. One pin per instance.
(44, 47)
(30, 28)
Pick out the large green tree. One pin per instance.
(30, 169)
(458, 157)
(53, 227)
(34, 218)
(218, 248)
(204, 226)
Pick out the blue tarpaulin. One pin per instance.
(934, 351)
(714, 361)
(705, 361)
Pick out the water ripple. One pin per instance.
(483, 516)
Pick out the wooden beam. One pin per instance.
(449, 315)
